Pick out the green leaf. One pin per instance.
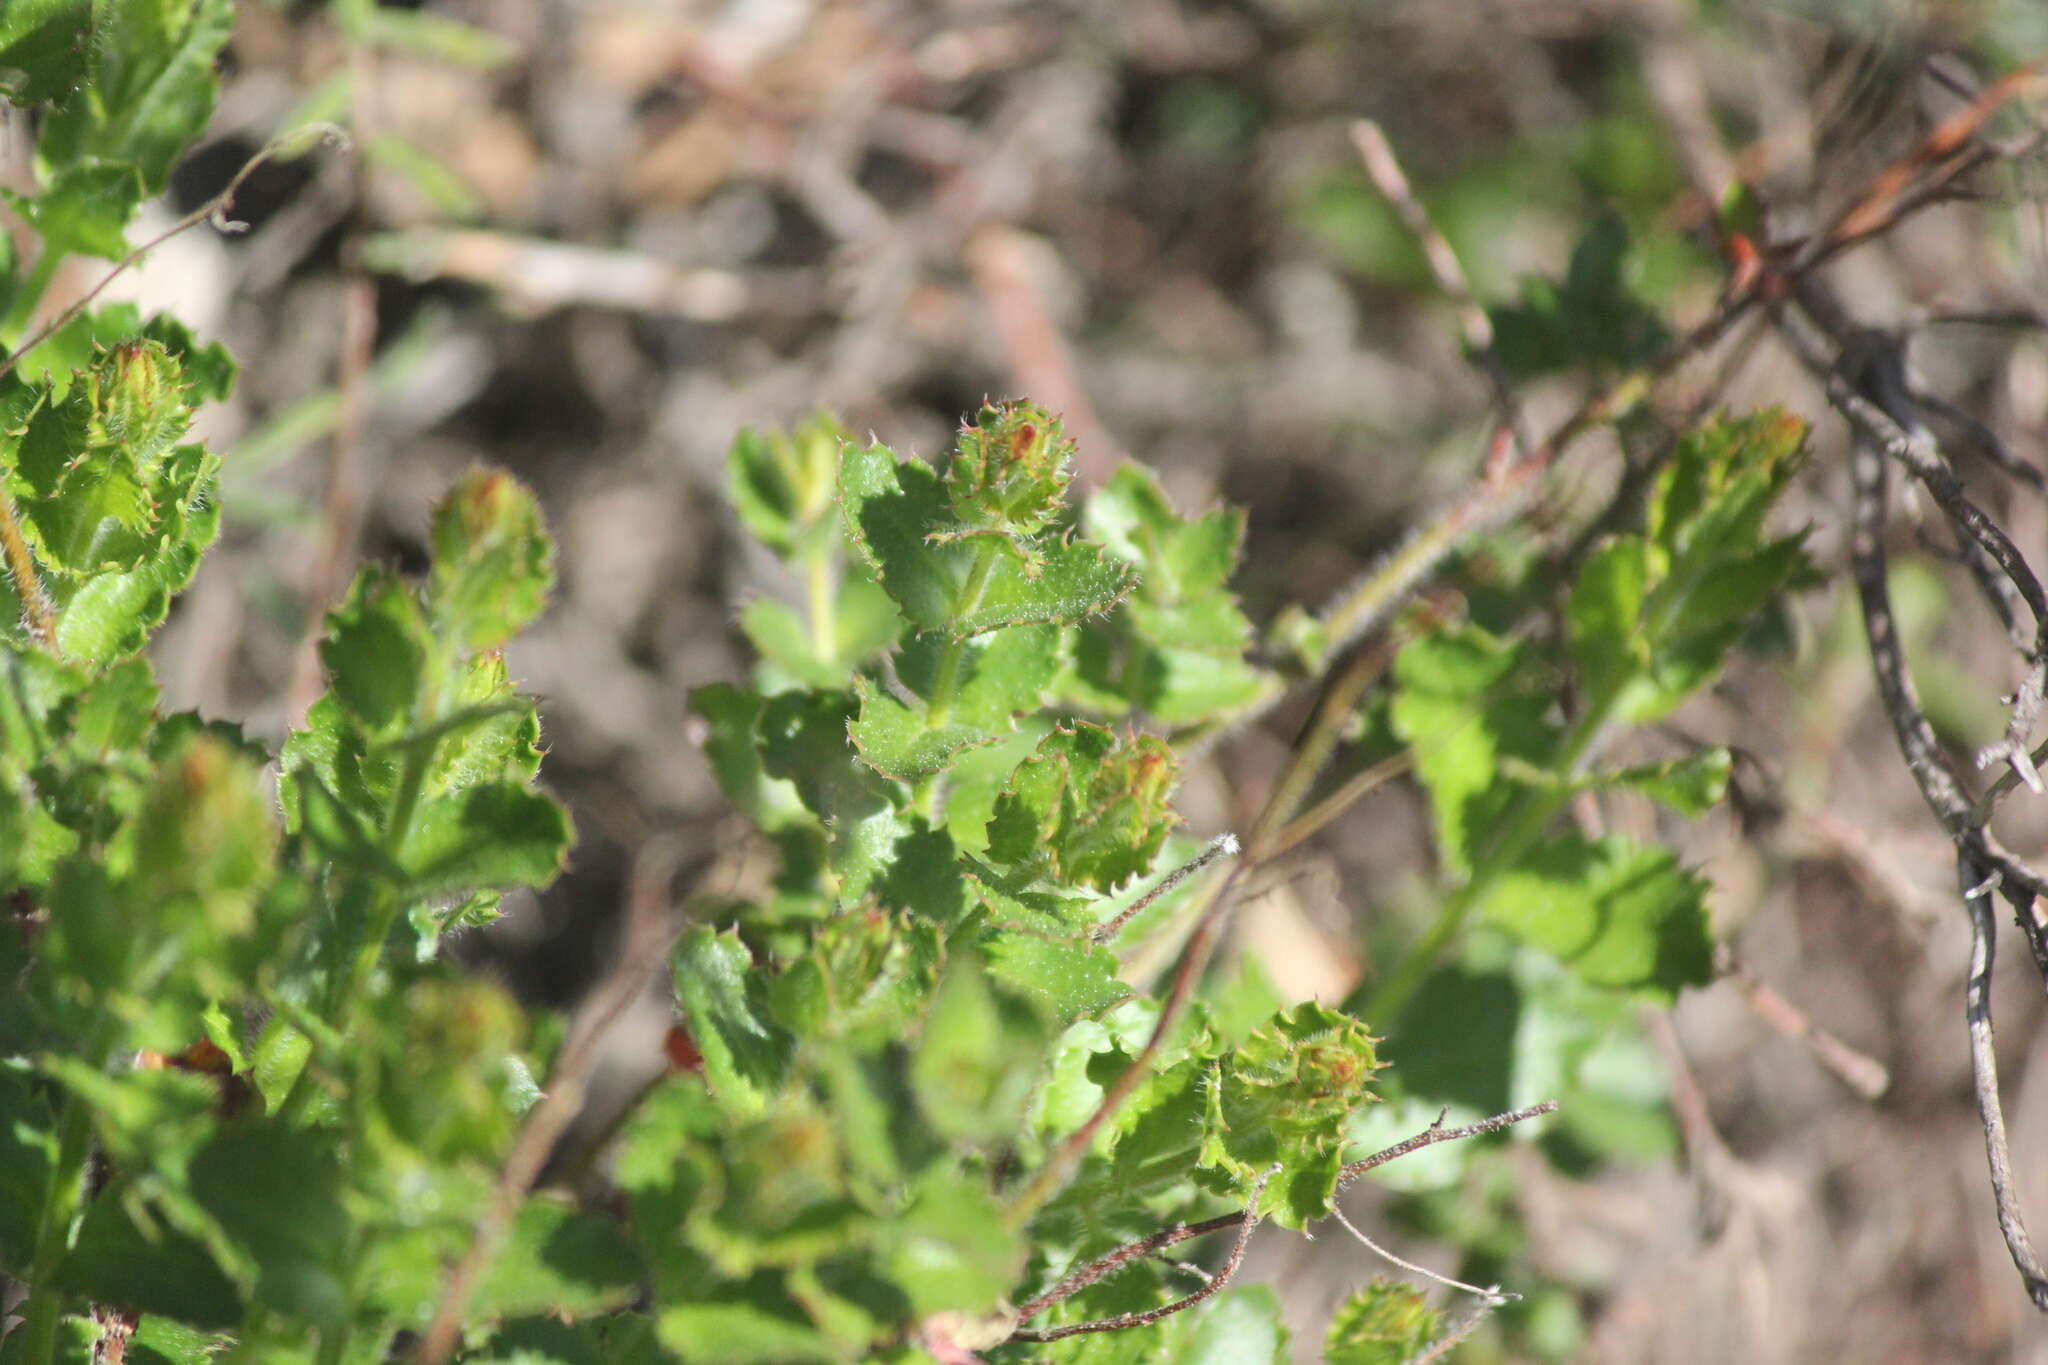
(376, 650)
(745, 1053)
(1691, 786)
(748, 1324)
(1238, 1325)
(784, 485)
(1618, 914)
(898, 517)
(160, 1271)
(1283, 1097)
(970, 1070)
(557, 1260)
(900, 742)
(1076, 581)
(28, 1153)
(42, 48)
(159, 1340)
(1651, 618)
(1088, 808)
(493, 563)
(498, 834)
(1073, 977)
(1385, 1323)
(890, 507)
(1467, 702)
(950, 1248)
(276, 1192)
(84, 209)
(153, 87)
(1593, 316)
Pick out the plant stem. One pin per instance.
(946, 679)
(824, 623)
(53, 1232)
(21, 568)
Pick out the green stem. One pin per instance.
(946, 678)
(824, 623)
(21, 568)
(30, 293)
(53, 1232)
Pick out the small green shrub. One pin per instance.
(243, 1102)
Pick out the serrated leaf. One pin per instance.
(950, 1248)
(1385, 1323)
(1282, 1097)
(1089, 807)
(493, 563)
(159, 1340)
(902, 743)
(276, 1192)
(1617, 914)
(890, 508)
(1075, 581)
(84, 208)
(1652, 617)
(375, 651)
(783, 483)
(28, 1153)
(1072, 976)
(745, 1325)
(745, 1053)
(498, 834)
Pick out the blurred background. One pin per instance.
(589, 240)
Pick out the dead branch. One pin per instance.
(1980, 868)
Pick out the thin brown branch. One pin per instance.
(1081, 1277)
(1222, 846)
(1384, 168)
(649, 932)
(1441, 1348)
(214, 210)
(1435, 1133)
(1323, 813)
(1948, 151)
(1862, 1073)
(1248, 1220)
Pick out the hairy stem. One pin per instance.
(21, 569)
